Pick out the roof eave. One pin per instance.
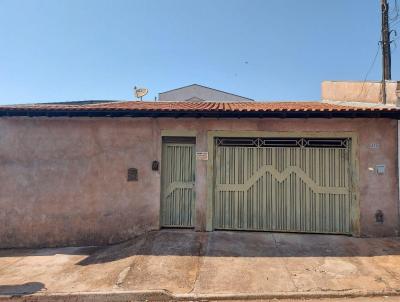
(394, 114)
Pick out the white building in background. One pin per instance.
(198, 93)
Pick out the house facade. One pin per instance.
(96, 174)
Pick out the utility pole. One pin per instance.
(386, 53)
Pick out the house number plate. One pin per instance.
(202, 155)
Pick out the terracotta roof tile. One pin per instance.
(201, 107)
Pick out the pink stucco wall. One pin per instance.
(63, 181)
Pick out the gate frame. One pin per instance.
(354, 164)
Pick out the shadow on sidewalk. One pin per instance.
(244, 244)
(21, 289)
(24, 252)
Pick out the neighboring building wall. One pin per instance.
(200, 93)
(368, 92)
(63, 180)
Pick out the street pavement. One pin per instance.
(189, 265)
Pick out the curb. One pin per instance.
(164, 295)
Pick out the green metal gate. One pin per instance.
(289, 185)
(177, 186)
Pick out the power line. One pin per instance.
(396, 12)
(394, 23)
(369, 70)
(373, 63)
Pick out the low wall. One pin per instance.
(367, 92)
(64, 180)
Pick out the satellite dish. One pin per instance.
(140, 92)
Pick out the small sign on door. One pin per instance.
(202, 155)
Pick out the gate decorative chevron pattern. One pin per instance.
(291, 189)
(178, 177)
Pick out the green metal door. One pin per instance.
(303, 186)
(177, 187)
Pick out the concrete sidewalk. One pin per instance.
(187, 265)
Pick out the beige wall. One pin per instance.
(63, 181)
(352, 91)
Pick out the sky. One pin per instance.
(72, 50)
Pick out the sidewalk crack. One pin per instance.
(284, 264)
(202, 251)
(121, 277)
